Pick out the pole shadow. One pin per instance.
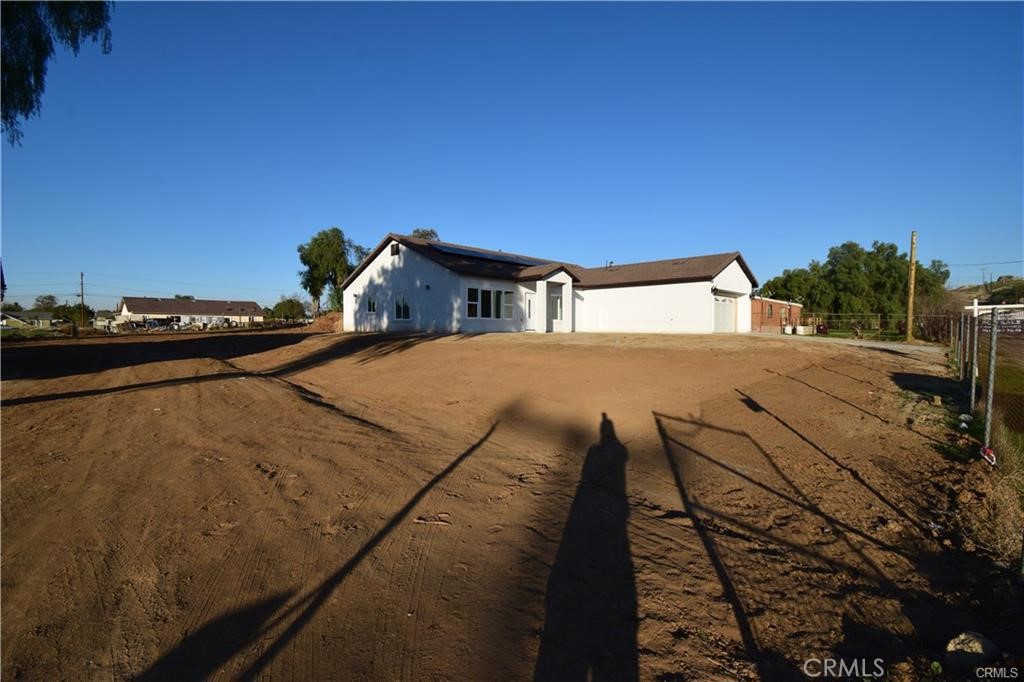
(590, 622)
(219, 640)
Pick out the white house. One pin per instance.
(411, 284)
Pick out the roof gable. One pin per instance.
(673, 270)
(477, 262)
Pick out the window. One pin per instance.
(769, 312)
(485, 303)
(401, 307)
(371, 304)
(394, 249)
(507, 305)
(556, 307)
(490, 303)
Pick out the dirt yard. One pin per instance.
(297, 506)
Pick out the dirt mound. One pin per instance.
(329, 322)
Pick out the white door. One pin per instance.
(725, 314)
(528, 312)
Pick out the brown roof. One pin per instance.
(144, 305)
(695, 269)
(470, 260)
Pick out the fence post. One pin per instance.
(974, 361)
(991, 377)
(960, 348)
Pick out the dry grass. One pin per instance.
(995, 521)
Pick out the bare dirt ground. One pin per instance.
(296, 506)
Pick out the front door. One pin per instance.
(528, 312)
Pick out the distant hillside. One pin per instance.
(1003, 290)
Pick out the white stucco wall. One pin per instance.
(432, 292)
(733, 280)
(479, 324)
(656, 308)
(437, 299)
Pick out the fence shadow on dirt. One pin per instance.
(590, 622)
(965, 591)
(263, 618)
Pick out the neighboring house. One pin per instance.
(14, 321)
(40, 319)
(187, 311)
(773, 315)
(411, 284)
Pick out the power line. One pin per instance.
(972, 265)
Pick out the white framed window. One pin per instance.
(769, 312)
(402, 310)
(508, 301)
(556, 306)
(394, 249)
(371, 304)
(493, 304)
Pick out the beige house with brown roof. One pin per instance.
(188, 311)
(411, 284)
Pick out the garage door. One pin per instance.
(725, 314)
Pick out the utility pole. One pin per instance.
(81, 295)
(910, 292)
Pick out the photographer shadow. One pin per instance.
(590, 624)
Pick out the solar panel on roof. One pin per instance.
(501, 257)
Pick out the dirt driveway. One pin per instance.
(297, 506)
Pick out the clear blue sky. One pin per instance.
(217, 137)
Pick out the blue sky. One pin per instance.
(217, 137)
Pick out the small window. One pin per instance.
(401, 307)
(508, 305)
(497, 305)
(473, 302)
(394, 249)
(769, 311)
(371, 304)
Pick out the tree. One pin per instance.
(428, 233)
(289, 308)
(29, 31)
(45, 303)
(854, 280)
(327, 258)
(73, 312)
(14, 307)
(184, 297)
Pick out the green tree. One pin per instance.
(45, 303)
(428, 233)
(289, 308)
(184, 297)
(14, 307)
(854, 280)
(327, 258)
(73, 313)
(29, 31)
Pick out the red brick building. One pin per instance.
(771, 315)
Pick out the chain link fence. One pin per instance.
(987, 347)
(878, 326)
